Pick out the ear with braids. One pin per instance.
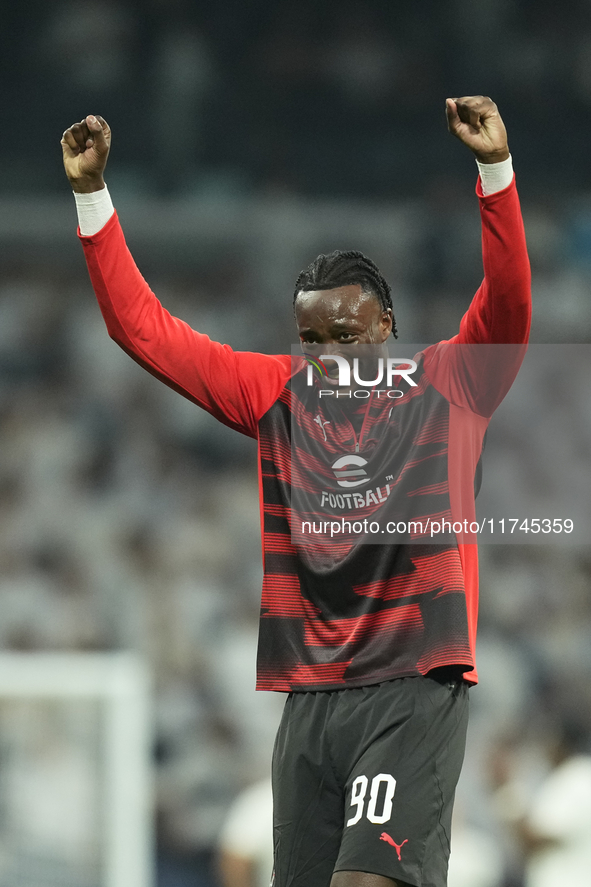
(340, 268)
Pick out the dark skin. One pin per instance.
(342, 316)
(474, 120)
(338, 318)
(331, 318)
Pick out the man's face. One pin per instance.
(329, 320)
(342, 316)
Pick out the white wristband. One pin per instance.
(495, 176)
(94, 211)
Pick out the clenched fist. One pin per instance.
(85, 147)
(476, 121)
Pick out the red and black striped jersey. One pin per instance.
(348, 614)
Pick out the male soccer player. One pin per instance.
(373, 643)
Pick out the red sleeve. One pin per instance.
(465, 372)
(500, 312)
(235, 387)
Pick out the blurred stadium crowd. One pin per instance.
(248, 138)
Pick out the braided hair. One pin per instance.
(341, 268)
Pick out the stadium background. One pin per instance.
(247, 138)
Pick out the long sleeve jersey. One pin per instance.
(371, 612)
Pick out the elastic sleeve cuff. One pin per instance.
(495, 176)
(94, 211)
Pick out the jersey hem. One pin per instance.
(279, 686)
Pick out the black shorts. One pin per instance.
(364, 780)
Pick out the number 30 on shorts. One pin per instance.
(359, 791)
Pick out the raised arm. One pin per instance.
(236, 387)
(500, 311)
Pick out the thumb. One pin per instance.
(453, 118)
(98, 129)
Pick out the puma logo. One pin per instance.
(398, 847)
